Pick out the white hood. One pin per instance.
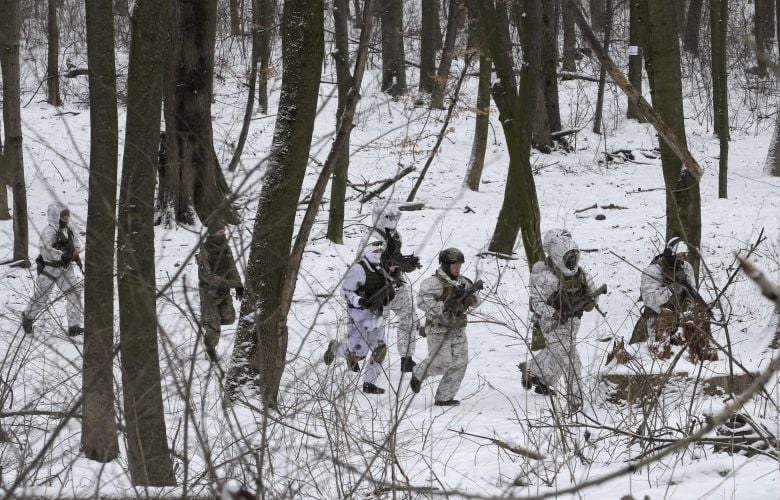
(386, 215)
(556, 243)
(53, 213)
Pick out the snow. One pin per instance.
(335, 442)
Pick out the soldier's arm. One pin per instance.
(48, 252)
(590, 286)
(403, 306)
(654, 293)
(233, 279)
(540, 287)
(429, 297)
(354, 279)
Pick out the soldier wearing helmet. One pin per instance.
(555, 284)
(446, 298)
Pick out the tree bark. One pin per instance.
(338, 187)
(719, 10)
(482, 120)
(693, 27)
(5, 214)
(456, 15)
(597, 13)
(265, 34)
(393, 58)
(569, 61)
(98, 427)
(634, 61)
(549, 77)
(772, 164)
(148, 455)
(662, 62)
(761, 12)
(429, 40)
(520, 208)
(191, 181)
(235, 17)
(52, 57)
(261, 340)
(13, 158)
(603, 71)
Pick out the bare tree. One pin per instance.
(265, 33)
(603, 71)
(597, 13)
(482, 121)
(634, 60)
(52, 56)
(13, 158)
(261, 341)
(148, 454)
(719, 15)
(456, 15)
(393, 59)
(429, 41)
(549, 76)
(98, 427)
(235, 17)
(569, 61)
(5, 214)
(693, 27)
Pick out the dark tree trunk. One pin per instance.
(597, 13)
(679, 16)
(393, 58)
(763, 39)
(456, 16)
(148, 456)
(191, 182)
(520, 208)
(719, 15)
(261, 340)
(693, 27)
(569, 62)
(338, 186)
(13, 157)
(662, 61)
(265, 34)
(52, 57)
(550, 14)
(235, 17)
(772, 165)
(98, 427)
(5, 214)
(429, 40)
(482, 120)
(540, 135)
(634, 60)
(603, 71)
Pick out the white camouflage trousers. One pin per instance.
(65, 280)
(403, 307)
(559, 358)
(365, 333)
(448, 355)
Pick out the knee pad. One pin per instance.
(354, 358)
(379, 354)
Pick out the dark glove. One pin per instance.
(239, 293)
(470, 301)
(363, 302)
(66, 258)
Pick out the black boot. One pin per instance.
(354, 366)
(407, 364)
(211, 353)
(370, 388)
(27, 324)
(75, 331)
(330, 352)
(525, 377)
(541, 388)
(415, 384)
(449, 402)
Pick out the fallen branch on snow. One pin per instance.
(503, 445)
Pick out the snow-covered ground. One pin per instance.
(335, 442)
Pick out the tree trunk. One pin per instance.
(5, 214)
(549, 49)
(456, 15)
(603, 72)
(192, 182)
(662, 61)
(634, 60)
(597, 13)
(569, 62)
(235, 18)
(693, 27)
(772, 164)
(265, 33)
(52, 57)
(482, 120)
(338, 187)
(261, 340)
(759, 32)
(520, 208)
(719, 10)
(148, 455)
(679, 12)
(541, 128)
(429, 40)
(393, 58)
(13, 158)
(98, 427)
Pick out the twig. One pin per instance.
(586, 208)
(74, 72)
(503, 445)
(39, 413)
(770, 290)
(612, 206)
(386, 184)
(640, 190)
(570, 75)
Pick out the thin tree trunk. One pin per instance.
(772, 164)
(569, 63)
(429, 32)
(719, 10)
(597, 13)
(662, 61)
(5, 214)
(251, 84)
(603, 71)
(393, 58)
(455, 18)
(13, 158)
(634, 61)
(235, 18)
(762, 37)
(260, 348)
(520, 208)
(52, 57)
(550, 15)
(265, 33)
(693, 27)
(98, 427)
(338, 187)
(148, 455)
(482, 120)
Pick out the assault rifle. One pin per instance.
(67, 247)
(574, 307)
(406, 263)
(456, 303)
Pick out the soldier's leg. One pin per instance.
(453, 376)
(375, 333)
(71, 288)
(573, 371)
(355, 347)
(210, 319)
(548, 364)
(43, 287)
(438, 359)
(403, 306)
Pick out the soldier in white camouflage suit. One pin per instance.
(368, 289)
(554, 283)
(446, 298)
(60, 247)
(384, 233)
